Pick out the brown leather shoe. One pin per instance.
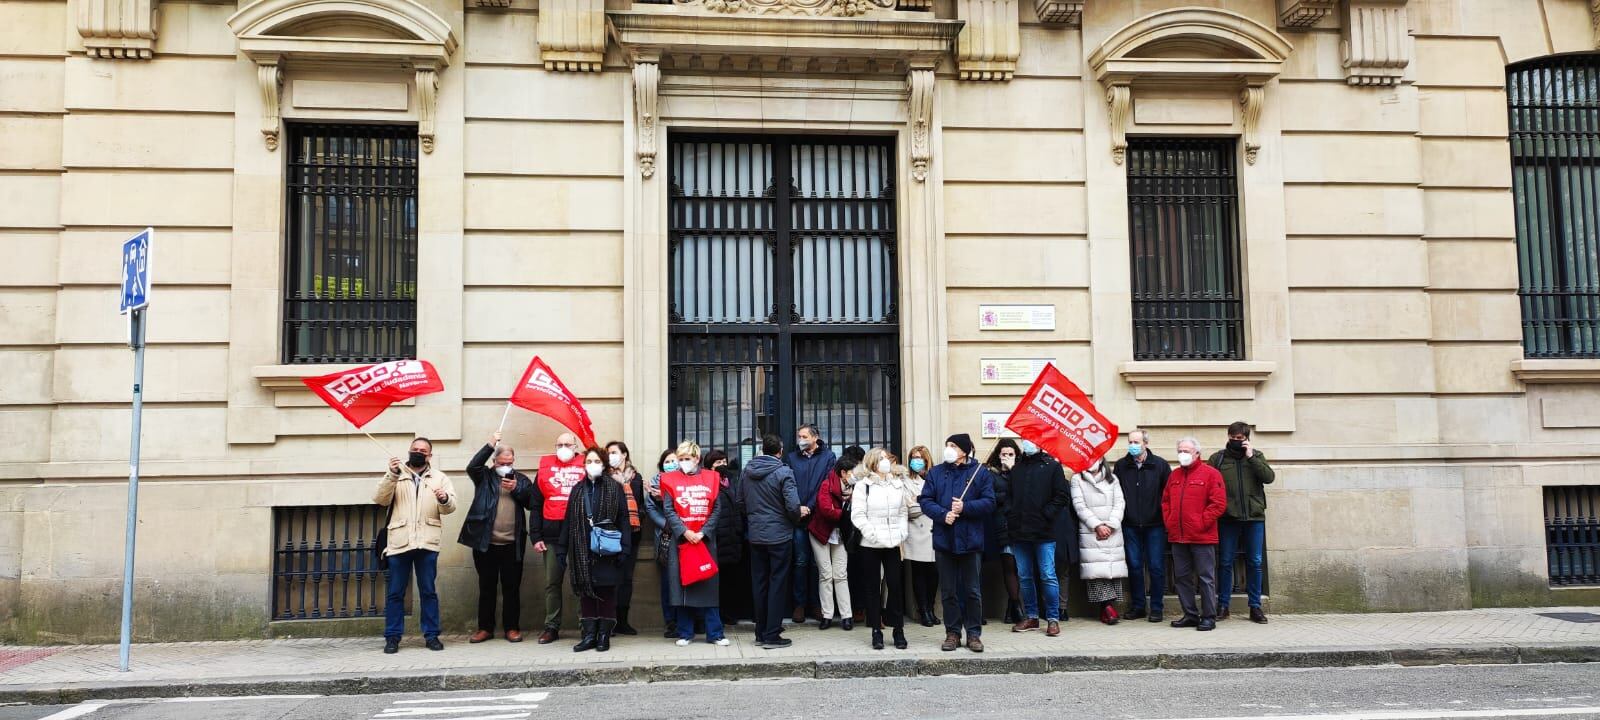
(974, 644)
(799, 616)
(549, 635)
(480, 636)
(1053, 629)
(514, 635)
(1026, 626)
(951, 642)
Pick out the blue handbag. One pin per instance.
(604, 541)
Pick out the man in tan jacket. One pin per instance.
(418, 496)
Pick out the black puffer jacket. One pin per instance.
(768, 501)
(1036, 491)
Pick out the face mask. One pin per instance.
(1008, 462)
(687, 467)
(918, 465)
(1236, 446)
(564, 454)
(1135, 449)
(951, 454)
(669, 466)
(616, 460)
(417, 459)
(1029, 448)
(802, 443)
(1185, 459)
(884, 466)
(502, 470)
(594, 469)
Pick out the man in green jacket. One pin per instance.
(1245, 474)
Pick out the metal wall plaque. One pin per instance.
(994, 425)
(1010, 371)
(1016, 317)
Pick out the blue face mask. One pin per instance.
(1135, 449)
(1028, 448)
(918, 464)
(669, 466)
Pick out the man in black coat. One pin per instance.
(1143, 475)
(1038, 492)
(772, 510)
(494, 530)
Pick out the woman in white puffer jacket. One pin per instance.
(881, 507)
(1097, 498)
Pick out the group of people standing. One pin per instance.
(814, 534)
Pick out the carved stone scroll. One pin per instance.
(921, 121)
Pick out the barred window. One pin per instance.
(324, 564)
(1572, 534)
(351, 264)
(1183, 230)
(1555, 181)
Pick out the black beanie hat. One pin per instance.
(963, 441)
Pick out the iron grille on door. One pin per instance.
(1572, 534)
(323, 565)
(1555, 181)
(351, 273)
(783, 288)
(1183, 229)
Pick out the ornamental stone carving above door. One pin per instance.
(839, 8)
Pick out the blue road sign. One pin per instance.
(136, 271)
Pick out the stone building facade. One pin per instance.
(722, 217)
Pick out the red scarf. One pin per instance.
(692, 495)
(556, 480)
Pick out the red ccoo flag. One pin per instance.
(363, 393)
(542, 392)
(1058, 417)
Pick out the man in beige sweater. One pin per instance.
(418, 497)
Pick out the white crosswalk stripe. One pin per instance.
(487, 707)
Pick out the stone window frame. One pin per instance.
(280, 43)
(1231, 61)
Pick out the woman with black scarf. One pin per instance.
(596, 501)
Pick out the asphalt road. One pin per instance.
(1385, 693)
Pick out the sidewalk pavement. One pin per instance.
(71, 674)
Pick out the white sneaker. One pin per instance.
(683, 643)
(721, 642)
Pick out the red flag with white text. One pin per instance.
(1058, 417)
(542, 392)
(363, 393)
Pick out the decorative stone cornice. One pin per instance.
(919, 5)
(1377, 42)
(1557, 371)
(1059, 12)
(1304, 13)
(491, 3)
(276, 33)
(646, 88)
(920, 120)
(1196, 379)
(118, 29)
(572, 34)
(1189, 47)
(813, 8)
(990, 44)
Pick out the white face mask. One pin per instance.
(616, 460)
(687, 467)
(1185, 458)
(564, 454)
(502, 470)
(1007, 462)
(802, 443)
(884, 466)
(951, 454)
(594, 468)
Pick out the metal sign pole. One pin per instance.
(136, 338)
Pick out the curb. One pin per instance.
(820, 669)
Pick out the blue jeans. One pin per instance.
(425, 563)
(1146, 550)
(804, 580)
(686, 617)
(1036, 562)
(1253, 533)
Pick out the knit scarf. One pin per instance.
(608, 497)
(624, 477)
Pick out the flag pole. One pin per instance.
(503, 417)
(374, 440)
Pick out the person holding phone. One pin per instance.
(418, 497)
(496, 522)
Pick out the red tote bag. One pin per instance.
(695, 563)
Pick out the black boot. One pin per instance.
(589, 636)
(927, 619)
(603, 634)
(877, 639)
(623, 628)
(1013, 613)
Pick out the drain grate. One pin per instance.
(1577, 617)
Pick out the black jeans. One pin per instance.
(872, 560)
(771, 567)
(499, 567)
(961, 585)
(924, 582)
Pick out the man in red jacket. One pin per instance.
(1194, 498)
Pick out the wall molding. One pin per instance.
(1376, 42)
(118, 29)
(991, 42)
